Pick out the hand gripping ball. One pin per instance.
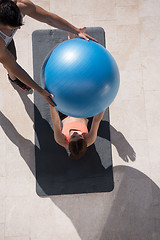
(83, 77)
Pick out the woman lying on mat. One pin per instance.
(74, 133)
(11, 19)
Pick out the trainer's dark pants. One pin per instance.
(11, 47)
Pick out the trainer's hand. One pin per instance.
(84, 35)
(47, 96)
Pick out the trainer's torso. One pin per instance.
(7, 36)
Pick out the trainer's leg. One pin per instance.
(11, 47)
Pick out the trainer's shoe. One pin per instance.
(20, 84)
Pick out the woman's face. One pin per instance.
(75, 135)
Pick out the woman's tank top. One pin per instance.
(78, 126)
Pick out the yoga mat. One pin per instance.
(56, 173)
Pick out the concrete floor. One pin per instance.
(132, 210)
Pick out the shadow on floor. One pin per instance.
(131, 211)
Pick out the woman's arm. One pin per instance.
(58, 135)
(92, 135)
(32, 10)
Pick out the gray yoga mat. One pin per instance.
(56, 173)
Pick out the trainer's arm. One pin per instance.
(10, 64)
(32, 10)
(92, 135)
(58, 135)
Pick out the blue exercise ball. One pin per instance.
(83, 77)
